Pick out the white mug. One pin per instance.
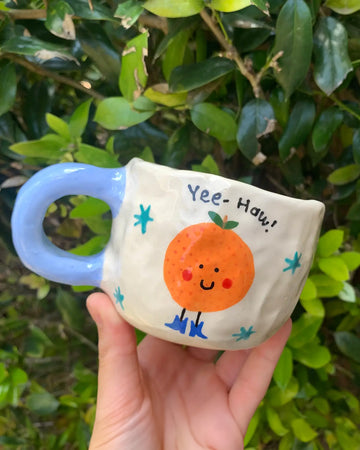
(193, 258)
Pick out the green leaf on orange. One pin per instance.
(216, 218)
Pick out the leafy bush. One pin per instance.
(265, 92)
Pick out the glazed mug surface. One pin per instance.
(193, 258)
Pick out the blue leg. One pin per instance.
(196, 328)
(179, 324)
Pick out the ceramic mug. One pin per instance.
(193, 258)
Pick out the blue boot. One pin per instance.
(178, 324)
(196, 330)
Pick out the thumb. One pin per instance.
(119, 382)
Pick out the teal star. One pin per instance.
(293, 263)
(119, 297)
(244, 333)
(143, 218)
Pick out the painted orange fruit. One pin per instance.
(208, 267)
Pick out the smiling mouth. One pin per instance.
(206, 288)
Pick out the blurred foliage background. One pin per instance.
(266, 92)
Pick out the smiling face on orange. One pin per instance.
(208, 268)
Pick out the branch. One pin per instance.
(24, 14)
(48, 74)
(233, 54)
(154, 22)
(28, 14)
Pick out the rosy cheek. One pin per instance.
(187, 275)
(227, 283)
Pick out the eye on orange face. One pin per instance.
(208, 268)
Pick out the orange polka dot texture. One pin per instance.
(208, 268)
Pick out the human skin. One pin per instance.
(160, 395)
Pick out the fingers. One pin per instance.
(229, 365)
(119, 376)
(255, 375)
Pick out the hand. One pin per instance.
(160, 395)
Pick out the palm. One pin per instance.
(193, 410)
(161, 395)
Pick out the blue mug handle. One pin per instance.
(34, 248)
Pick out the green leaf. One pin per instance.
(280, 105)
(169, 8)
(325, 126)
(330, 242)
(294, 39)
(229, 147)
(263, 5)
(207, 166)
(128, 12)
(89, 207)
(322, 405)
(302, 430)
(186, 23)
(97, 46)
(351, 259)
(177, 147)
(193, 76)
(36, 343)
(332, 62)
(309, 291)
(298, 127)
(345, 174)
(147, 155)
(347, 433)
(253, 424)
(42, 403)
(278, 397)
(229, 5)
(34, 118)
(284, 369)
(49, 147)
(97, 11)
(230, 225)
(274, 422)
(326, 286)
(349, 344)
(216, 218)
(134, 75)
(92, 155)
(175, 52)
(32, 46)
(59, 19)
(213, 121)
(314, 307)
(356, 145)
(79, 119)
(343, 6)
(237, 5)
(5, 388)
(304, 330)
(8, 87)
(91, 247)
(256, 120)
(98, 225)
(58, 125)
(160, 93)
(3, 372)
(18, 376)
(117, 113)
(354, 212)
(70, 309)
(335, 267)
(312, 355)
(347, 294)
